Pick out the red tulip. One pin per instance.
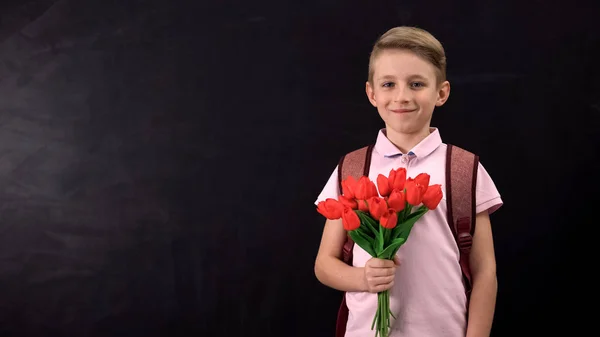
(362, 205)
(389, 219)
(377, 206)
(350, 219)
(397, 200)
(383, 185)
(330, 208)
(414, 193)
(397, 178)
(349, 187)
(365, 189)
(346, 201)
(422, 179)
(432, 196)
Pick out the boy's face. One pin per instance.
(405, 92)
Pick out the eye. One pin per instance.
(388, 85)
(417, 85)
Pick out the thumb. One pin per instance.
(396, 260)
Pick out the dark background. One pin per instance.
(159, 160)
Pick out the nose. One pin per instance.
(402, 94)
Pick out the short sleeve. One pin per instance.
(331, 189)
(487, 195)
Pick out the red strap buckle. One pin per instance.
(465, 239)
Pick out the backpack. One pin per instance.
(461, 180)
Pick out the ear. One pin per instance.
(443, 93)
(370, 93)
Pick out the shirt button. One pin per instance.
(405, 159)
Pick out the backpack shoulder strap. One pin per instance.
(356, 164)
(461, 180)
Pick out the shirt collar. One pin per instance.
(386, 148)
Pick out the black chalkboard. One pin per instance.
(159, 160)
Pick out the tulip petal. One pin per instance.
(397, 178)
(330, 208)
(397, 200)
(346, 201)
(432, 196)
(422, 179)
(383, 185)
(389, 219)
(377, 206)
(350, 219)
(414, 194)
(349, 186)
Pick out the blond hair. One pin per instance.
(415, 40)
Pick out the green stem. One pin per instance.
(387, 305)
(375, 318)
(382, 321)
(381, 314)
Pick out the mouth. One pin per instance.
(402, 111)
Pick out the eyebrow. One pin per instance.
(391, 77)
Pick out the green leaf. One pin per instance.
(380, 240)
(391, 250)
(368, 221)
(406, 211)
(362, 242)
(408, 227)
(366, 234)
(387, 233)
(405, 226)
(399, 229)
(420, 211)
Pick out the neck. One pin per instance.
(405, 142)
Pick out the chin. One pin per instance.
(405, 129)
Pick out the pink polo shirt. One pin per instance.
(428, 296)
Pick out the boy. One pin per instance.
(407, 80)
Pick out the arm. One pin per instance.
(485, 285)
(329, 267)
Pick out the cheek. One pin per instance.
(383, 98)
(428, 99)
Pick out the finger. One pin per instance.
(381, 272)
(380, 263)
(383, 287)
(384, 271)
(381, 280)
(396, 260)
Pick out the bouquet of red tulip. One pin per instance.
(380, 218)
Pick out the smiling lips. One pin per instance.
(402, 111)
